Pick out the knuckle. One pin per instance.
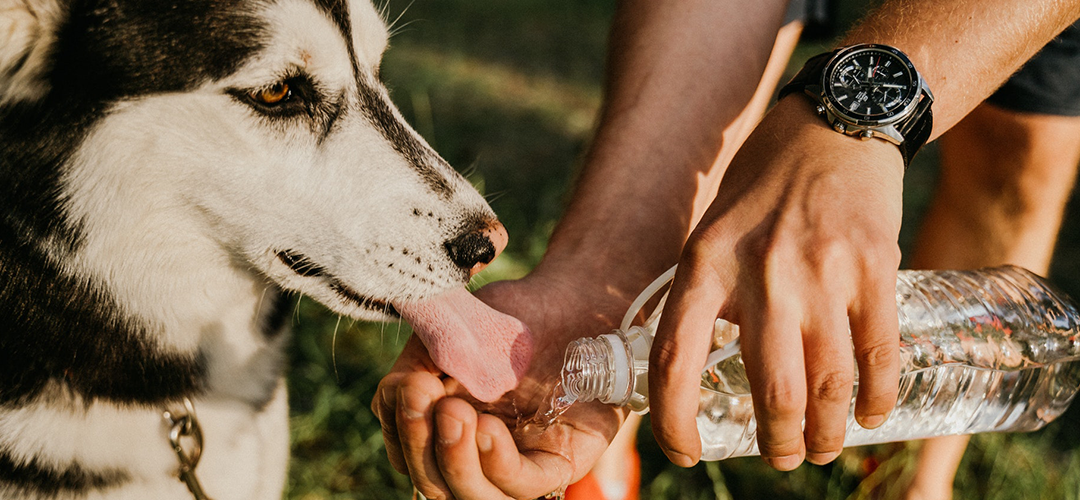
(666, 358)
(832, 387)
(878, 356)
(880, 252)
(781, 400)
(830, 253)
(702, 246)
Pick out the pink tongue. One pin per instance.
(485, 350)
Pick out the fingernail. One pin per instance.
(483, 442)
(872, 421)
(679, 459)
(821, 458)
(450, 429)
(785, 463)
(415, 405)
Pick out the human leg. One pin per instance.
(1005, 179)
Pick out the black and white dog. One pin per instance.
(167, 168)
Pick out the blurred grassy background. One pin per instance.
(507, 92)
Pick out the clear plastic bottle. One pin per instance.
(981, 351)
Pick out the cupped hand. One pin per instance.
(452, 447)
(799, 245)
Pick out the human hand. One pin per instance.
(799, 245)
(453, 448)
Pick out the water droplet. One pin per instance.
(552, 407)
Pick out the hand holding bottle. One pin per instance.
(802, 237)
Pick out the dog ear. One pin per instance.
(27, 31)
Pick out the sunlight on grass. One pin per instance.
(565, 106)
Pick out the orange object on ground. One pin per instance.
(590, 488)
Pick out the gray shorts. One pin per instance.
(1048, 83)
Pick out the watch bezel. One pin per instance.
(903, 110)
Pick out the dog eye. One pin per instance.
(293, 96)
(272, 96)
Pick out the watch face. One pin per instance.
(871, 84)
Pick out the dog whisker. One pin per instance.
(333, 349)
(401, 29)
(393, 23)
(490, 197)
(471, 169)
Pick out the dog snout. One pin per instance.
(475, 249)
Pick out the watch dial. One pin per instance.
(871, 84)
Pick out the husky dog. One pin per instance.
(167, 169)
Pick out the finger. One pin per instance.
(875, 332)
(678, 354)
(416, 397)
(384, 406)
(773, 355)
(829, 381)
(530, 475)
(458, 455)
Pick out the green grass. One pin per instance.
(507, 92)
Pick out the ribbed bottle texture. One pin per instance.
(589, 369)
(981, 351)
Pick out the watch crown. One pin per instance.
(866, 135)
(839, 126)
(820, 108)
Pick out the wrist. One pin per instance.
(870, 91)
(795, 117)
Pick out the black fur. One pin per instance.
(301, 264)
(34, 477)
(52, 326)
(376, 108)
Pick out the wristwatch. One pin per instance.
(869, 90)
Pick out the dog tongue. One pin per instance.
(485, 350)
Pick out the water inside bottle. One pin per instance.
(945, 399)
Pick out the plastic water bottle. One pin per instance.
(993, 350)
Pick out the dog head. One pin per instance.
(206, 139)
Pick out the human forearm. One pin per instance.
(665, 137)
(965, 49)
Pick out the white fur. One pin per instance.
(245, 457)
(184, 200)
(26, 36)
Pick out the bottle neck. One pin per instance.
(596, 369)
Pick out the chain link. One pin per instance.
(184, 428)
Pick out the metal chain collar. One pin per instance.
(184, 428)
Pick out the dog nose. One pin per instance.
(475, 249)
